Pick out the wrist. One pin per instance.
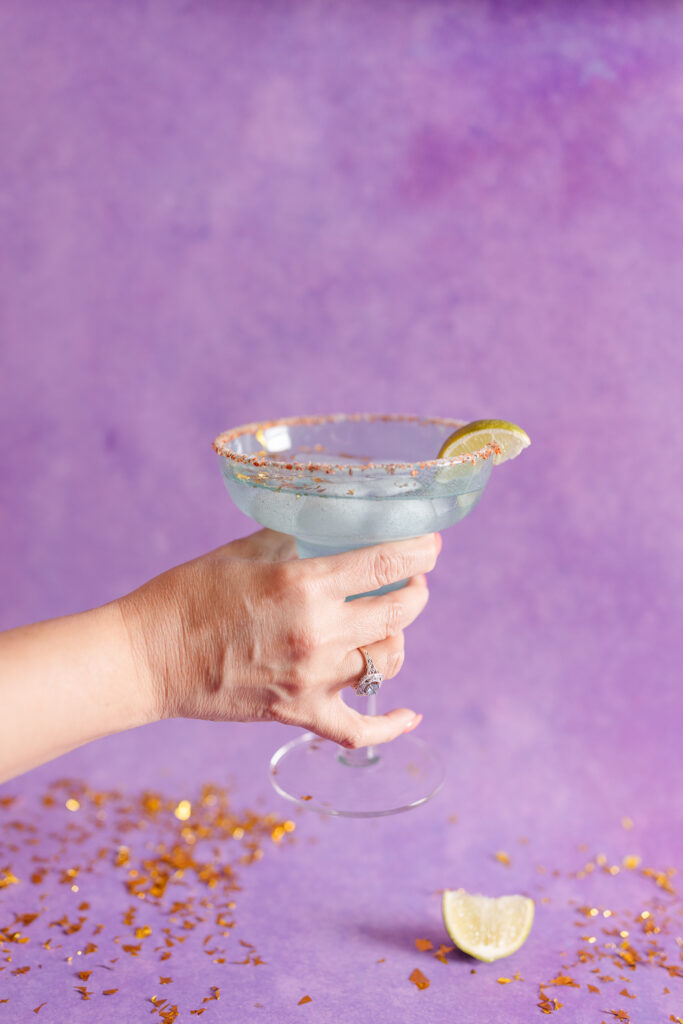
(145, 691)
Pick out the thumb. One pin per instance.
(349, 728)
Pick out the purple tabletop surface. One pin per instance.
(213, 212)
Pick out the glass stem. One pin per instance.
(363, 756)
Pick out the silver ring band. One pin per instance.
(371, 680)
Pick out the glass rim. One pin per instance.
(261, 459)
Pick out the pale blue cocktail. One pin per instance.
(336, 483)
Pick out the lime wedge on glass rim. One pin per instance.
(487, 928)
(508, 440)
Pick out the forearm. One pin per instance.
(65, 682)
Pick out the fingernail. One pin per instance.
(413, 723)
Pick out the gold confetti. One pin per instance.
(562, 979)
(504, 981)
(631, 862)
(418, 978)
(627, 823)
(72, 804)
(503, 858)
(183, 810)
(441, 953)
(7, 878)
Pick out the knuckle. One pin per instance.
(394, 618)
(388, 567)
(286, 578)
(301, 643)
(352, 739)
(395, 661)
(294, 586)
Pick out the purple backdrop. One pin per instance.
(215, 212)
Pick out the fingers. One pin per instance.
(357, 572)
(370, 619)
(348, 728)
(387, 657)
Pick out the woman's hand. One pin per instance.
(249, 632)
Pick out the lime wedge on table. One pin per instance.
(487, 928)
(508, 439)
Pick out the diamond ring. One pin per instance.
(371, 680)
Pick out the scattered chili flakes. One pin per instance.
(39, 1008)
(504, 981)
(109, 991)
(418, 978)
(165, 981)
(503, 858)
(593, 988)
(304, 999)
(423, 945)
(83, 990)
(84, 975)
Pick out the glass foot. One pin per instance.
(368, 783)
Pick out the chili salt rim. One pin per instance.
(260, 459)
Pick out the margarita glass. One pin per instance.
(336, 483)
